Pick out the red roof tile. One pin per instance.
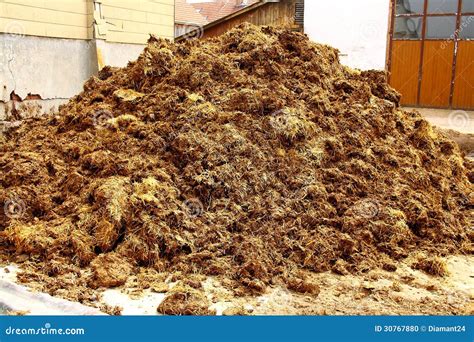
(186, 14)
(217, 9)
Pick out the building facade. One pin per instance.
(48, 48)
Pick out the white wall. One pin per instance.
(53, 68)
(50, 67)
(357, 28)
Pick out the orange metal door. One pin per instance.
(404, 69)
(437, 71)
(431, 52)
(463, 96)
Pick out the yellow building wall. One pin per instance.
(47, 18)
(129, 21)
(122, 21)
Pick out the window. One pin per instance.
(409, 6)
(408, 28)
(442, 6)
(466, 29)
(468, 6)
(442, 19)
(440, 27)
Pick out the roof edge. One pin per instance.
(227, 17)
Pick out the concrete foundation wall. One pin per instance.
(50, 67)
(37, 74)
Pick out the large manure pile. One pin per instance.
(251, 157)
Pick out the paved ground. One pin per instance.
(456, 124)
(457, 120)
(19, 300)
(404, 291)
